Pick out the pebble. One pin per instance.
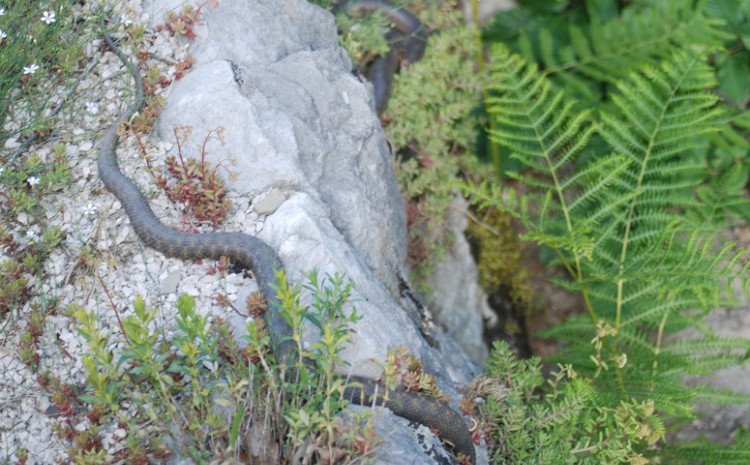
(169, 283)
(11, 143)
(270, 202)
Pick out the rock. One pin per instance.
(457, 299)
(717, 423)
(401, 438)
(169, 283)
(287, 124)
(488, 8)
(270, 202)
(301, 130)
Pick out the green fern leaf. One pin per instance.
(615, 220)
(605, 51)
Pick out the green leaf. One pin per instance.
(734, 77)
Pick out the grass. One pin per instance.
(42, 44)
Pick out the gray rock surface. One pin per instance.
(720, 424)
(301, 139)
(457, 298)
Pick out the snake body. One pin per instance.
(408, 40)
(255, 255)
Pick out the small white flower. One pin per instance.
(92, 108)
(126, 21)
(2, 11)
(30, 234)
(33, 180)
(30, 69)
(3, 35)
(48, 17)
(2, 168)
(90, 209)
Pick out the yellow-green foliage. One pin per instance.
(500, 257)
(362, 35)
(565, 425)
(433, 108)
(433, 100)
(200, 379)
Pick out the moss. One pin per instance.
(500, 255)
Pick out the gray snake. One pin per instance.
(408, 40)
(255, 255)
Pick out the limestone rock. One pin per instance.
(457, 299)
(296, 121)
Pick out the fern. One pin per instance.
(578, 54)
(626, 223)
(703, 451)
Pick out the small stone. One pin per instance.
(12, 143)
(122, 235)
(191, 291)
(270, 202)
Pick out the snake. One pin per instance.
(407, 38)
(255, 255)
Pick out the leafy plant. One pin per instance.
(432, 125)
(27, 244)
(601, 42)
(208, 397)
(566, 425)
(619, 215)
(194, 183)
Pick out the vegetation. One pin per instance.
(206, 395)
(612, 134)
(622, 127)
(626, 224)
(617, 142)
(40, 51)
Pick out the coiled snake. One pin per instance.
(254, 254)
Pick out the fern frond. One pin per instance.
(709, 395)
(617, 223)
(626, 200)
(703, 451)
(547, 135)
(708, 344)
(607, 51)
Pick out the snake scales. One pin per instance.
(254, 254)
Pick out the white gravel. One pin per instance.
(90, 216)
